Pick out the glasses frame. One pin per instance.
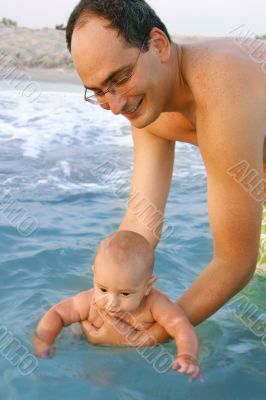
(112, 88)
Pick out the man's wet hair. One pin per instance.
(132, 19)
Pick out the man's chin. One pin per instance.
(142, 122)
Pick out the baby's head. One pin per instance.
(123, 269)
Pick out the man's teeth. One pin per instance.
(135, 108)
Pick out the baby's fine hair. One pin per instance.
(125, 247)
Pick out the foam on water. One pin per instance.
(68, 131)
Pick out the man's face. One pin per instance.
(98, 52)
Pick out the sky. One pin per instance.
(188, 17)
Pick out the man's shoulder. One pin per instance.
(221, 71)
(216, 55)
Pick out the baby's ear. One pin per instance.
(150, 283)
(92, 267)
(152, 280)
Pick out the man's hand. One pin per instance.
(185, 363)
(43, 349)
(107, 335)
(118, 332)
(157, 334)
(97, 336)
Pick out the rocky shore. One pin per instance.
(44, 51)
(45, 48)
(40, 48)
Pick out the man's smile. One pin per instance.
(133, 112)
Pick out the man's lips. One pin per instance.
(129, 113)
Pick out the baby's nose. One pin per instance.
(113, 302)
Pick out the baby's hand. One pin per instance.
(42, 349)
(185, 363)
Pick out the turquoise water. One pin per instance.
(58, 200)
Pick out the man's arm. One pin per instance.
(153, 168)
(68, 311)
(229, 132)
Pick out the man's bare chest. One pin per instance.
(175, 126)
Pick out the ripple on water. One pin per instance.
(67, 164)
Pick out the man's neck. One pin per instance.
(180, 97)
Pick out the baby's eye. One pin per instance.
(125, 294)
(103, 290)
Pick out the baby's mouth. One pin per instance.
(113, 313)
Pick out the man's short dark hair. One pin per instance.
(132, 19)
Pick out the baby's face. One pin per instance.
(119, 289)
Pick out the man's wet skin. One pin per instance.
(211, 94)
(181, 125)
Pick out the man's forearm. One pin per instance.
(137, 223)
(213, 288)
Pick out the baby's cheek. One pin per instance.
(130, 304)
(100, 300)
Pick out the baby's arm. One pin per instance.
(68, 311)
(173, 319)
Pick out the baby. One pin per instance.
(123, 296)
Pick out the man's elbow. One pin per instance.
(239, 269)
(250, 271)
(245, 272)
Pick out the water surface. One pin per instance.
(54, 163)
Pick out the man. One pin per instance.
(211, 94)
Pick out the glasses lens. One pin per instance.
(92, 100)
(119, 88)
(90, 97)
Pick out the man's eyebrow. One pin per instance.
(111, 76)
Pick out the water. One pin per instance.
(63, 163)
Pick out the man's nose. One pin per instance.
(116, 102)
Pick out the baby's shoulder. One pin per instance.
(156, 295)
(159, 304)
(85, 296)
(82, 302)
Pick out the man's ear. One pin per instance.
(92, 268)
(150, 283)
(160, 43)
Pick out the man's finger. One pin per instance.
(89, 328)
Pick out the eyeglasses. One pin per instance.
(115, 88)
